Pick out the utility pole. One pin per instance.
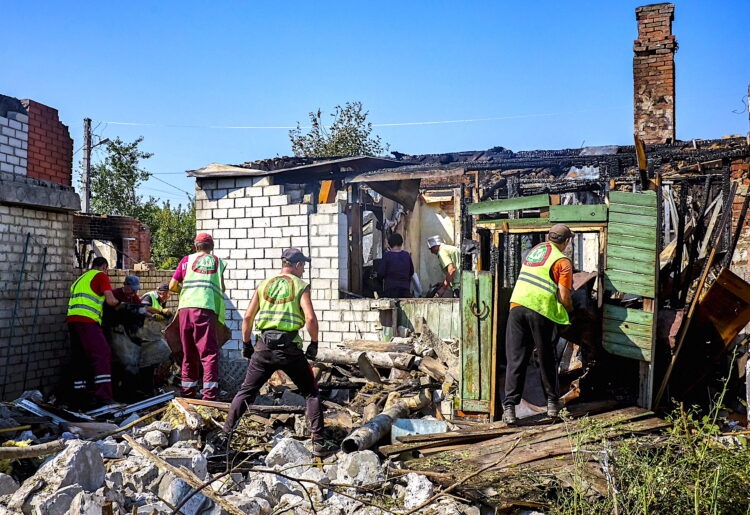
(86, 165)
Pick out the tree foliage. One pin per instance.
(114, 186)
(350, 134)
(172, 233)
(115, 181)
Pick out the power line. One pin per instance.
(173, 186)
(396, 124)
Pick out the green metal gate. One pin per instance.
(476, 341)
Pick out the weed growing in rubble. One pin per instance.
(691, 468)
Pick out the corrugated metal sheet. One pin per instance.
(443, 316)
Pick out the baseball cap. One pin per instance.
(204, 237)
(133, 281)
(559, 233)
(294, 256)
(163, 287)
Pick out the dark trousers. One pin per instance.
(527, 331)
(91, 359)
(263, 364)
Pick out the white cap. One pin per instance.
(434, 240)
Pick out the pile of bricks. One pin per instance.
(654, 74)
(50, 147)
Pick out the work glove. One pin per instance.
(312, 350)
(247, 350)
(166, 312)
(158, 318)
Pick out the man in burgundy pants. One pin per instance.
(89, 347)
(200, 282)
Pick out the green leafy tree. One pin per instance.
(350, 134)
(114, 185)
(172, 233)
(115, 181)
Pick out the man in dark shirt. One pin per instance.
(128, 293)
(396, 269)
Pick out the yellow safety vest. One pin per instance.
(279, 306)
(84, 302)
(201, 287)
(154, 300)
(535, 288)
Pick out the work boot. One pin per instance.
(321, 449)
(553, 408)
(509, 414)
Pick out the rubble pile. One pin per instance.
(160, 459)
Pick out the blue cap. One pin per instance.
(133, 281)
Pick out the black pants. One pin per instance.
(528, 330)
(263, 364)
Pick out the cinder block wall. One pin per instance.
(37, 342)
(14, 134)
(252, 222)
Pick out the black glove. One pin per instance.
(247, 350)
(312, 350)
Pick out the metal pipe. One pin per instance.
(15, 314)
(35, 326)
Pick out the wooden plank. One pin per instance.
(633, 316)
(617, 276)
(484, 306)
(633, 231)
(642, 220)
(633, 289)
(585, 213)
(469, 340)
(628, 340)
(627, 240)
(476, 406)
(627, 351)
(632, 199)
(645, 267)
(628, 329)
(508, 204)
(632, 210)
(630, 253)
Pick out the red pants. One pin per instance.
(91, 351)
(200, 350)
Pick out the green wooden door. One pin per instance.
(476, 341)
(631, 268)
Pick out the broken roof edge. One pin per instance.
(325, 165)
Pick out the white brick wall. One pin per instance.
(252, 222)
(14, 137)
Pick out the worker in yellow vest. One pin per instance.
(540, 303)
(449, 258)
(89, 347)
(199, 279)
(280, 307)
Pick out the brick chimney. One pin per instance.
(653, 74)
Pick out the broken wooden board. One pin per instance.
(508, 204)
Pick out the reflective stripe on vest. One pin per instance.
(279, 304)
(201, 287)
(154, 300)
(84, 302)
(535, 288)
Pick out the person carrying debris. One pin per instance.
(90, 349)
(450, 263)
(280, 307)
(157, 300)
(540, 302)
(199, 279)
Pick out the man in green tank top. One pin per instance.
(280, 307)
(540, 302)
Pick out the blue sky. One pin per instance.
(559, 71)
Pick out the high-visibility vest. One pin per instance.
(279, 306)
(154, 300)
(84, 302)
(201, 287)
(535, 288)
(450, 254)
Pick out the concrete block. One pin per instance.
(299, 242)
(261, 202)
(238, 233)
(272, 211)
(237, 212)
(278, 200)
(298, 220)
(272, 232)
(243, 202)
(291, 231)
(227, 223)
(279, 221)
(254, 212)
(276, 189)
(243, 223)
